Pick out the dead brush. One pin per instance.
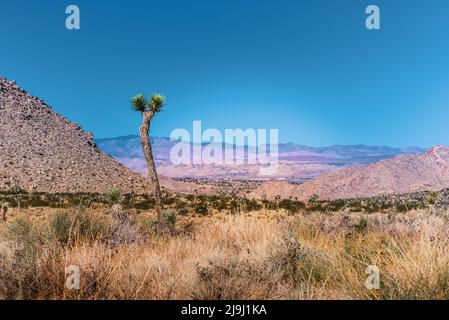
(246, 263)
(124, 229)
(234, 257)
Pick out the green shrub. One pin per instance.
(314, 198)
(114, 196)
(168, 201)
(146, 203)
(431, 198)
(23, 232)
(169, 216)
(291, 206)
(401, 207)
(234, 206)
(201, 208)
(59, 227)
(66, 227)
(182, 209)
(17, 190)
(362, 225)
(37, 201)
(151, 222)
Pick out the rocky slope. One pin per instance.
(402, 174)
(42, 151)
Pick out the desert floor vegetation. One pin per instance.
(254, 255)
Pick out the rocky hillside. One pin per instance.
(402, 174)
(42, 151)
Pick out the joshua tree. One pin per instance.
(4, 210)
(148, 109)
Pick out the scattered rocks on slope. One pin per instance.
(41, 150)
(402, 174)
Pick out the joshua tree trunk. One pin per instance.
(148, 152)
(4, 209)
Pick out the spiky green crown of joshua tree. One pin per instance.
(154, 104)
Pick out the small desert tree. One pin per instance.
(149, 108)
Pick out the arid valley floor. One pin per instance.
(279, 251)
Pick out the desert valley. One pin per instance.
(310, 232)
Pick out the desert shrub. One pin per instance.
(60, 227)
(169, 201)
(431, 198)
(128, 199)
(202, 198)
(422, 286)
(167, 224)
(220, 203)
(252, 205)
(67, 227)
(265, 203)
(114, 196)
(313, 198)
(151, 223)
(385, 205)
(15, 201)
(401, 207)
(336, 205)
(126, 231)
(222, 279)
(182, 209)
(291, 206)
(17, 190)
(201, 208)
(356, 208)
(315, 207)
(169, 217)
(270, 205)
(263, 271)
(234, 206)
(361, 225)
(144, 203)
(38, 200)
(312, 265)
(22, 232)
(73, 199)
(21, 266)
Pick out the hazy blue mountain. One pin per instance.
(129, 147)
(298, 162)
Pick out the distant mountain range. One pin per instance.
(43, 151)
(402, 174)
(297, 163)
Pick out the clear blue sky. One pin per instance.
(309, 68)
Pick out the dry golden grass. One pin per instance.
(315, 256)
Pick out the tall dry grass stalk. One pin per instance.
(302, 257)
